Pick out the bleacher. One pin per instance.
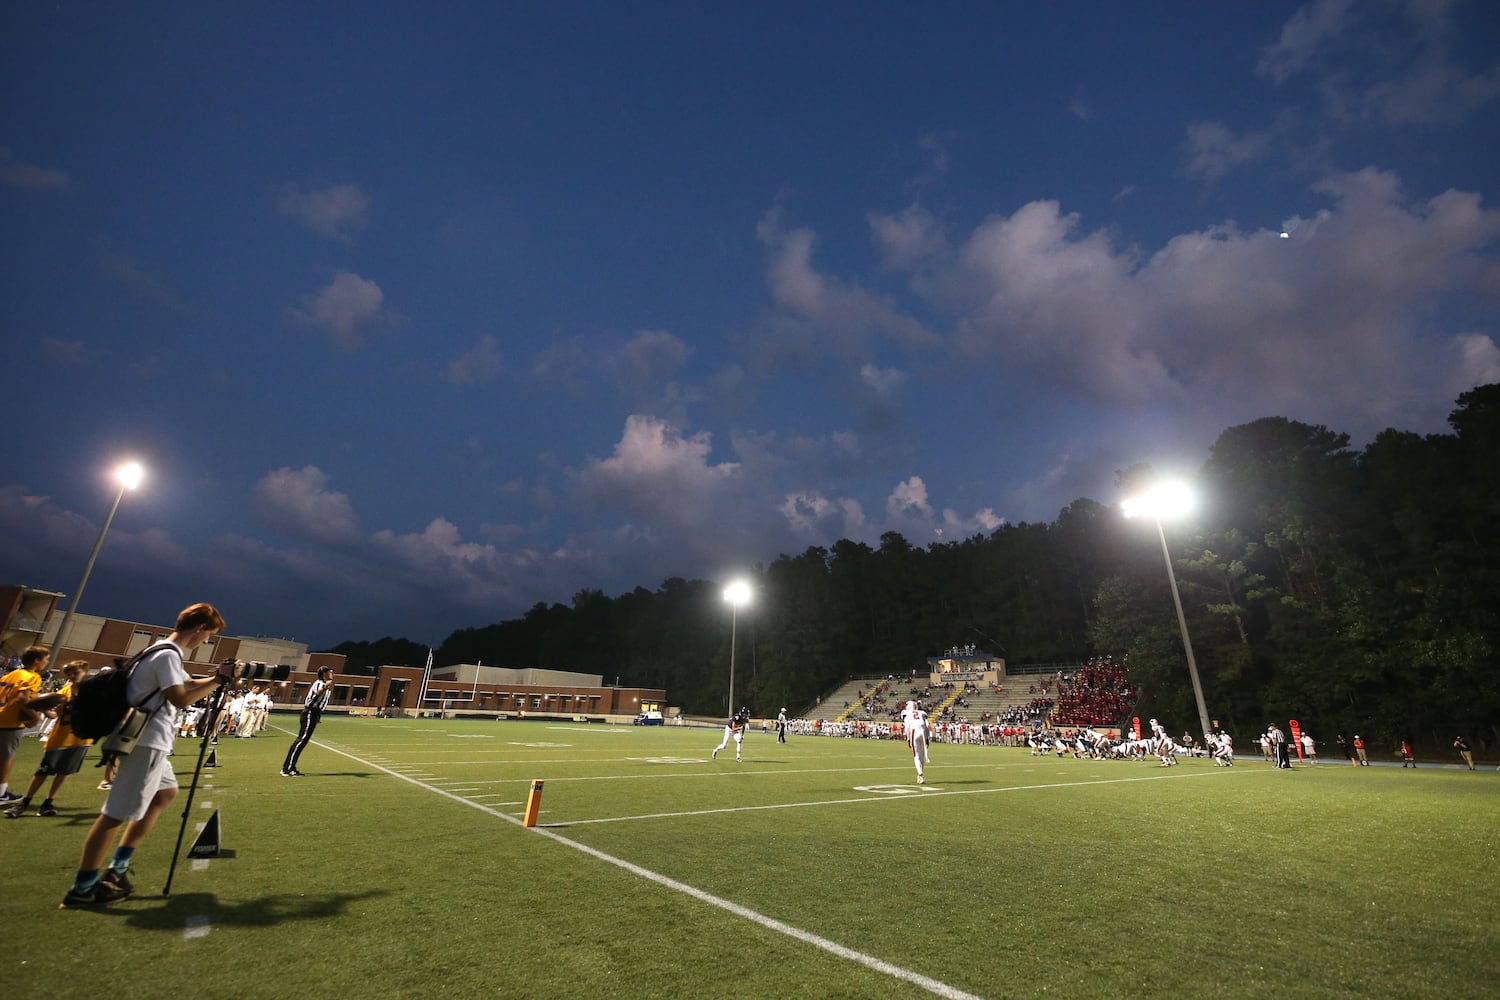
(985, 704)
(832, 705)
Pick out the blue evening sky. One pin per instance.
(418, 314)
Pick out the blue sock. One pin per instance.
(84, 881)
(122, 858)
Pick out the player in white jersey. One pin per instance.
(914, 722)
(1163, 746)
(734, 729)
(1223, 749)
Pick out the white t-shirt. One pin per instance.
(158, 671)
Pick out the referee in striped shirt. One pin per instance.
(312, 711)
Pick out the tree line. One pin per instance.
(1353, 590)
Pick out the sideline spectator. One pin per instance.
(145, 784)
(17, 688)
(64, 752)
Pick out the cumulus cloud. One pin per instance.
(337, 212)
(881, 381)
(647, 370)
(347, 308)
(1223, 315)
(909, 511)
(1479, 362)
(653, 356)
(819, 314)
(906, 238)
(658, 474)
(479, 364)
(1386, 62)
(298, 502)
(811, 512)
(1307, 31)
(1213, 150)
(909, 498)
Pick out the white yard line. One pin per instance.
(927, 983)
(917, 792)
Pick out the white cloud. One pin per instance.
(478, 364)
(819, 314)
(908, 498)
(653, 356)
(1392, 63)
(881, 381)
(658, 474)
(1303, 35)
(1479, 362)
(1030, 292)
(297, 501)
(646, 371)
(906, 238)
(1327, 322)
(1213, 150)
(337, 212)
(346, 307)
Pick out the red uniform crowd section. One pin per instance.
(1097, 693)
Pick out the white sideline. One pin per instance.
(927, 983)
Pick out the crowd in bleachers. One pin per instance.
(1096, 693)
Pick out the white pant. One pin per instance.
(918, 744)
(739, 739)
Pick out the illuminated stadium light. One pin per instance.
(1171, 500)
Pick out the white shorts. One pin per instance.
(142, 774)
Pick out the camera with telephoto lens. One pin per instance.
(254, 670)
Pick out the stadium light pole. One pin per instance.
(129, 477)
(736, 593)
(1171, 500)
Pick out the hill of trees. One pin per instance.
(1355, 591)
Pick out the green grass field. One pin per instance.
(399, 868)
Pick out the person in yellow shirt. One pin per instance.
(64, 752)
(17, 688)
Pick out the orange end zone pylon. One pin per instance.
(533, 802)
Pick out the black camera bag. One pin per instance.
(100, 700)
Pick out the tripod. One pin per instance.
(210, 731)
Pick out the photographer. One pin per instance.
(145, 784)
(312, 711)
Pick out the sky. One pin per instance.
(419, 314)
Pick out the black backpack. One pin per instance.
(100, 701)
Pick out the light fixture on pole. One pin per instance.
(736, 593)
(129, 477)
(1171, 500)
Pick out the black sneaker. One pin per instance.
(297, 774)
(117, 880)
(16, 811)
(10, 797)
(46, 809)
(99, 895)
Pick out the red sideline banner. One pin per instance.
(1296, 737)
(1135, 724)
